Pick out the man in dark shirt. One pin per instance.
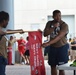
(58, 53)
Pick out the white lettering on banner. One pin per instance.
(35, 61)
(35, 48)
(36, 72)
(34, 37)
(40, 62)
(37, 54)
(32, 67)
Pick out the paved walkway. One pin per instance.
(25, 70)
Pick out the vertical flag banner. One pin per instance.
(36, 55)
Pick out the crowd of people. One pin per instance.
(72, 48)
(23, 48)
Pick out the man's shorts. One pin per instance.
(58, 55)
(46, 50)
(27, 53)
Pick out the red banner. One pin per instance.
(36, 55)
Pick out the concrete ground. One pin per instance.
(18, 69)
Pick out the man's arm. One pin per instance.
(14, 31)
(48, 31)
(73, 45)
(50, 28)
(57, 38)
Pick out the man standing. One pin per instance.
(27, 53)
(21, 48)
(11, 42)
(4, 18)
(58, 53)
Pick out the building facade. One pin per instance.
(33, 14)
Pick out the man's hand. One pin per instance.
(40, 30)
(21, 31)
(45, 44)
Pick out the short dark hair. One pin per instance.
(3, 16)
(55, 12)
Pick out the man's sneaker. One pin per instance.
(22, 63)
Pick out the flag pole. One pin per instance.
(17, 31)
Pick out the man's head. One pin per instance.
(4, 18)
(56, 15)
(27, 38)
(21, 37)
(11, 37)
